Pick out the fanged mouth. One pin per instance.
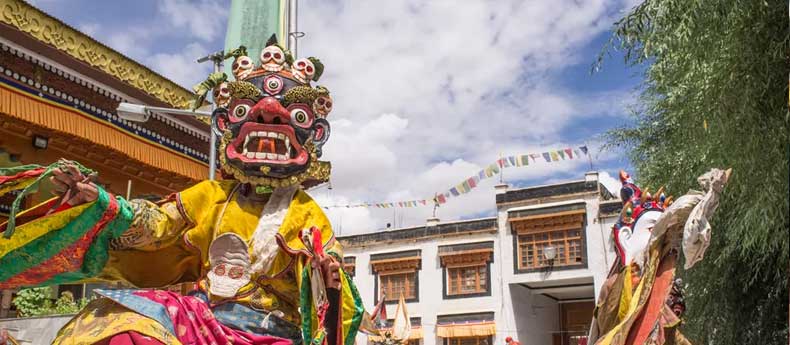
(274, 144)
(267, 145)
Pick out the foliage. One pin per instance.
(715, 94)
(33, 302)
(36, 302)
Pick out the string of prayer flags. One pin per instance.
(473, 181)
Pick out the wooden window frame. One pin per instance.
(465, 260)
(350, 265)
(409, 283)
(351, 269)
(548, 224)
(396, 266)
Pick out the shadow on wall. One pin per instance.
(536, 316)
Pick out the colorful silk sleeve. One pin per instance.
(65, 246)
(153, 226)
(351, 308)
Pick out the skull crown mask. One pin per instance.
(272, 120)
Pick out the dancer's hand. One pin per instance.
(331, 269)
(74, 186)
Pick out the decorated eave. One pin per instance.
(56, 34)
(69, 76)
(466, 254)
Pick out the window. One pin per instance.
(349, 265)
(392, 285)
(467, 280)
(486, 340)
(568, 244)
(396, 274)
(563, 231)
(466, 269)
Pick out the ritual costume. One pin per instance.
(641, 301)
(251, 242)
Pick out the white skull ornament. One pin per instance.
(222, 95)
(230, 265)
(322, 105)
(242, 67)
(272, 58)
(303, 70)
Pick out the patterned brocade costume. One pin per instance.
(260, 251)
(169, 243)
(641, 302)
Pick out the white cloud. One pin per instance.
(465, 82)
(612, 184)
(90, 29)
(205, 19)
(426, 93)
(170, 41)
(132, 42)
(180, 66)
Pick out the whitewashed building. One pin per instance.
(531, 273)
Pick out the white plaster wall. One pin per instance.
(527, 317)
(600, 253)
(431, 302)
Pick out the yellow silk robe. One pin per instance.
(168, 244)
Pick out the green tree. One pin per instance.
(715, 94)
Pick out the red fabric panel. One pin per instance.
(648, 318)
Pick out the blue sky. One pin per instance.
(426, 93)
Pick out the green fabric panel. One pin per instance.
(32, 188)
(359, 311)
(306, 306)
(18, 169)
(98, 253)
(46, 246)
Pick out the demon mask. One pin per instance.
(272, 131)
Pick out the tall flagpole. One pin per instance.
(293, 33)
